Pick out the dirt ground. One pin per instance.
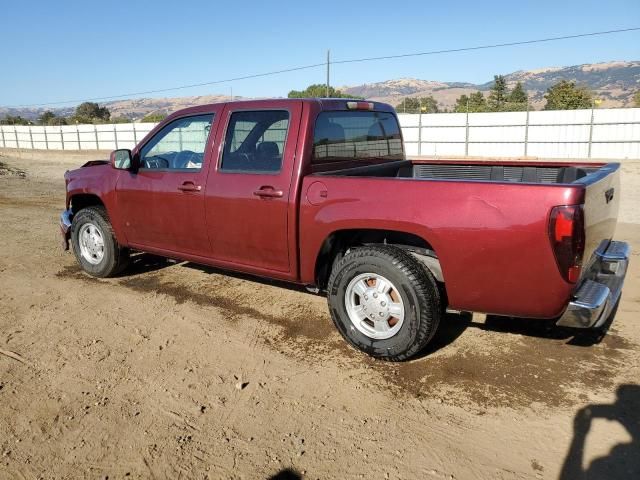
(174, 370)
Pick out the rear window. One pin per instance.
(345, 139)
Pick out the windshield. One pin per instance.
(349, 139)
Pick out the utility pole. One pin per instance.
(328, 63)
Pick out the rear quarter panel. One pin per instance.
(491, 238)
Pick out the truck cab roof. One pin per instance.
(318, 104)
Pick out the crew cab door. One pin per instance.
(162, 203)
(248, 195)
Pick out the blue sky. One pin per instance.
(72, 50)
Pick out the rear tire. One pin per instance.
(406, 310)
(95, 245)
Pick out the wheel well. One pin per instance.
(84, 200)
(336, 244)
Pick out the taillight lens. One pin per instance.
(360, 105)
(566, 233)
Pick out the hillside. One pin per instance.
(613, 82)
(132, 108)
(138, 108)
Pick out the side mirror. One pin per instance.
(121, 159)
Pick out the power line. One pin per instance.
(484, 47)
(133, 94)
(353, 60)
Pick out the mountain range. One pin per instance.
(614, 83)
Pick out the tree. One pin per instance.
(565, 95)
(89, 112)
(636, 99)
(475, 102)
(417, 105)
(500, 99)
(120, 119)
(408, 105)
(318, 90)
(498, 94)
(14, 120)
(517, 100)
(47, 118)
(154, 117)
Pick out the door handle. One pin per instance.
(189, 187)
(268, 192)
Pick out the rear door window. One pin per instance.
(255, 141)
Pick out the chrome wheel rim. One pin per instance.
(374, 306)
(91, 241)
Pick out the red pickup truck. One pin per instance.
(319, 192)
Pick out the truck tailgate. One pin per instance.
(602, 198)
(605, 261)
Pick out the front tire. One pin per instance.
(95, 245)
(384, 302)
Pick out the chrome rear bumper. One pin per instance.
(600, 288)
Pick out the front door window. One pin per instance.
(179, 145)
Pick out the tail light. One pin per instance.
(566, 233)
(360, 105)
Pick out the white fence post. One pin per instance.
(95, 132)
(590, 132)
(115, 135)
(526, 133)
(420, 133)
(15, 133)
(466, 133)
(4, 145)
(61, 137)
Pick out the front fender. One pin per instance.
(99, 183)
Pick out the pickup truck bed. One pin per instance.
(486, 171)
(491, 236)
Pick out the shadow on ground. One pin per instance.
(286, 474)
(247, 277)
(453, 325)
(146, 262)
(623, 460)
(533, 327)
